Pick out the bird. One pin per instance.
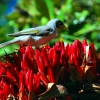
(36, 36)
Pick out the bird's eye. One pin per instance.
(59, 23)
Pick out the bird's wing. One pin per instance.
(31, 31)
(45, 31)
(38, 31)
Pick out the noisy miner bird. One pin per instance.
(36, 36)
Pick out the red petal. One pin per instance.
(39, 61)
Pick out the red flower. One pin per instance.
(76, 51)
(28, 71)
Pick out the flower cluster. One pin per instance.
(35, 74)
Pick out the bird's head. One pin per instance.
(56, 23)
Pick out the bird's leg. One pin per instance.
(21, 45)
(46, 45)
(37, 47)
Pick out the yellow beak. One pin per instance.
(63, 27)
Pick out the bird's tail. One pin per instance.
(7, 43)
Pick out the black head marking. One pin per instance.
(59, 24)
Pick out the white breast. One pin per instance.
(44, 39)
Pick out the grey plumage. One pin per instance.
(36, 36)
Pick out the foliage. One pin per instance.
(81, 17)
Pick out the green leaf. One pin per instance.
(42, 8)
(86, 29)
(50, 7)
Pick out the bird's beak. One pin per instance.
(63, 27)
